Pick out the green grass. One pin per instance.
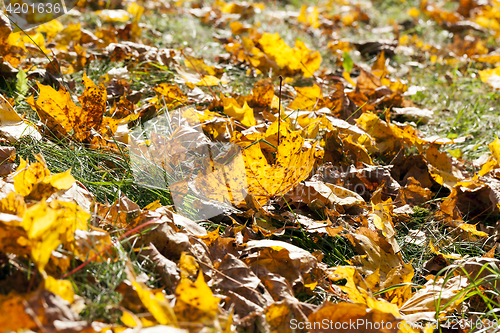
(107, 176)
(467, 107)
(481, 296)
(97, 284)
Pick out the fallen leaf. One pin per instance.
(195, 301)
(155, 302)
(345, 316)
(293, 163)
(422, 305)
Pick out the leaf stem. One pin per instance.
(279, 111)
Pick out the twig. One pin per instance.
(279, 111)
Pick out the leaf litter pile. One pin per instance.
(267, 186)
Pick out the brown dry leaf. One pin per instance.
(413, 193)
(338, 103)
(7, 165)
(422, 305)
(180, 221)
(479, 268)
(166, 268)
(442, 168)
(92, 243)
(280, 258)
(379, 255)
(233, 274)
(329, 195)
(477, 197)
(123, 213)
(76, 194)
(263, 95)
(168, 240)
(312, 226)
(344, 315)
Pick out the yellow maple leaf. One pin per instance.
(195, 302)
(188, 266)
(441, 167)
(58, 112)
(494, 161)
(226, 183)
(71, 33)
(491, 76)
(354, 289)
(310, 16)
(244, 114)
(200, 65)
(210, 80)
(36, 181)
(471, 228)
(387, 135)
(55, 109)
(447, 256)
(93, 101)
(293, 163)
(62, 288)
(49, 225)
(307, 98)
(170, 94)
(155, 302)
(50, 29)
(495, 149)
(299, 58)
(13, 203)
